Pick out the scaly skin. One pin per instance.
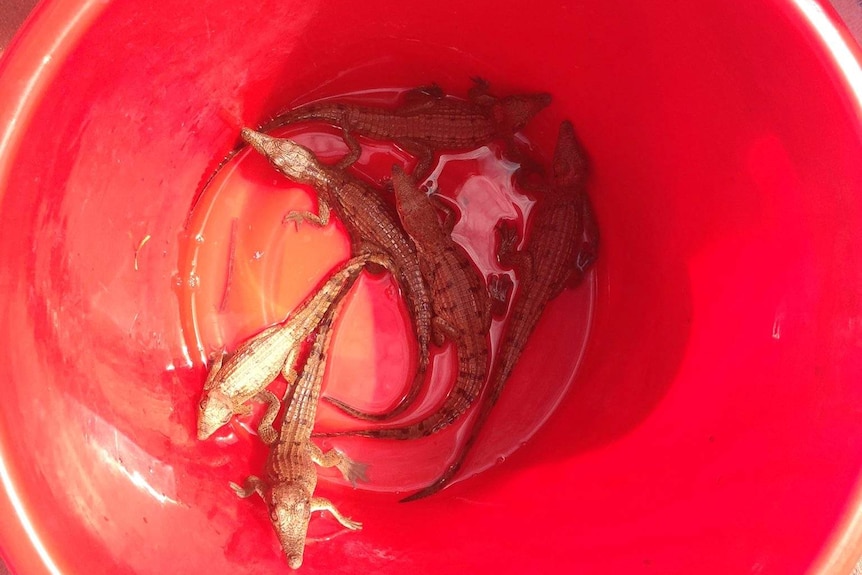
(369, 220)
(291, 477)
(555, 255)
(462, 309)
(259, 360)
(427, 121)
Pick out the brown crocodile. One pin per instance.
(562, 243)
(371, 224)
(291, 475)
(462, 309)
(258, 361)
(427, 121)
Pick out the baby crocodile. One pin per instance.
(369, 220)
(556, 254)
(462, 309)
(258, 361)
(427, 121)
(290, 473)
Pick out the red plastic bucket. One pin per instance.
(713, 424)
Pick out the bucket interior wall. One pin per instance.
(713, 424)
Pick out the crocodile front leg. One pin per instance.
(320, 219)
(508, 255)
(212, 376)
(252, 485)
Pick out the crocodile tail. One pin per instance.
(405, 402)
(328, 113)
(503, 367)
(472, 375)
(498, 378)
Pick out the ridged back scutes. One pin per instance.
(437, 127)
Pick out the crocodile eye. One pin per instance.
(273, 515)
(203, 404)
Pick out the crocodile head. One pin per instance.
(291, 159)
(513, 112)
(214, 411)
(290, 512)
(417, 214)
(570, 161)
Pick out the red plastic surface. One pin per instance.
(713, 426)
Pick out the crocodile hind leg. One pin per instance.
(424, 157)
(354, 150)
(351, 470)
